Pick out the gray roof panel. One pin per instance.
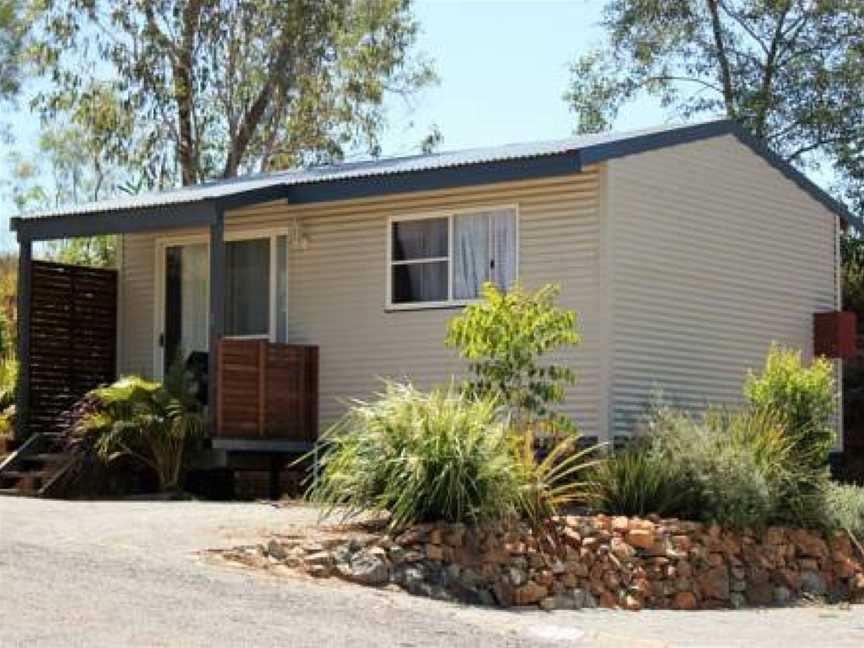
(586, 149)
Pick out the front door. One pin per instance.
(186, 307)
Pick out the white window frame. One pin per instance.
(450, 215)
(245, 234)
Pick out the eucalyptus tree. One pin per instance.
(222, 87)
(789, 70)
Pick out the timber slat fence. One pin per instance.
(73, 338)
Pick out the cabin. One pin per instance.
(685, 250)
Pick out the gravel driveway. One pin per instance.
(134, 574)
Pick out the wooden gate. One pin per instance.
(73, 338)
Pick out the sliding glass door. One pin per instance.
(256, 294)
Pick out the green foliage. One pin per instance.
(852, 255)
(152, 423)
(8, 381)
(733, 468)
(738, 469)
(420, 457)
(845, 507)
(790, 72)
(636, 482)
(441, 455)
(12, 41)
(94, 251)
(504, 337)
(218, 89)
(553, 483)
(803, 397)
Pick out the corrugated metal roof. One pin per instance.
(590, 149)
(350, 170)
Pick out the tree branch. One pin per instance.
(723, 59)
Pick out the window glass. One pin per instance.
(420, 239)
(282, 288)
(420, 282)
(247, 279)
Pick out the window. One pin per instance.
(247, 284)
(441, 260)
(251, 288)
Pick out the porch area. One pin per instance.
(260, 395)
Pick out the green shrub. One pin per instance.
(504, 337)
(419, 456)
(147, 421)
(730, 468)
(845, 508)
(804, 397)
(636, 482)
(440, 455)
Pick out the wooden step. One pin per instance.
(16, 492)
(47, 458)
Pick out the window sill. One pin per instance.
(400, 308)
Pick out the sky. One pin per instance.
(503, 68)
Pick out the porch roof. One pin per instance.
(203, 204)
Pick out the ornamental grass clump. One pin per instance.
(419, 456)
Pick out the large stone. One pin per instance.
(518, 577)
(641, 539)
(685, 601)
(504, 592)
(620, 524)
(368, 567)
(762, 594)
(782, 595)
(530, 593)
(622, 550)
(813, 583)
(276, 550)
(809, 543)
(715, 583)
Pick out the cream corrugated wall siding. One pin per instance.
(337, 286)
(714, 254)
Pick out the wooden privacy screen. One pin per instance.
(73, 338)
(267, 391)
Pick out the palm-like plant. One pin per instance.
(147, 421)
(548, 486)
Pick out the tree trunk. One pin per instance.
(723, 60)
(184, 94)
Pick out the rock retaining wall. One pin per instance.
(603, 561)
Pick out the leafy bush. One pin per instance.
(8, 383)
(845, 508)
(636, 482)
(152, 423)
(731, 468)
(504, 337)
(804, 397)
(419, 456)
(441, 455)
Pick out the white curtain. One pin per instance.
(484, 250)
(470, 254)
(194, 271)
(503, 237)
